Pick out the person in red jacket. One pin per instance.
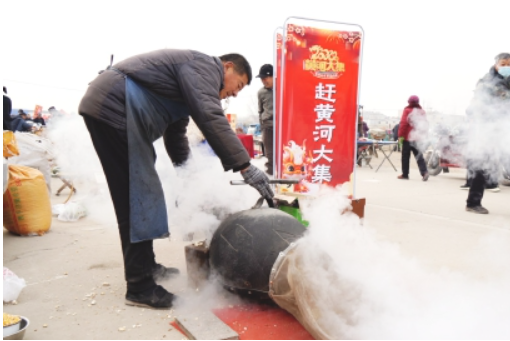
(413, 129)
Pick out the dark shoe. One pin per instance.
(156, 297)
(465, 186)
(161, 272)
(494, 189)
(425, 176)
(401, 177)
(477, 209)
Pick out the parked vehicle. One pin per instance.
(448, 151)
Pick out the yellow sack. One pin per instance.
(27, 207)
(10, 145)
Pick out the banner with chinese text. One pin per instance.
(316, 135)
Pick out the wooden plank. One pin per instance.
(205, 326)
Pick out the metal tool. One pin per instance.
(270, 202)
(272, 182)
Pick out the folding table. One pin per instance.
(363, 151)
(386, 156)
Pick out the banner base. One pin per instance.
(358, 207)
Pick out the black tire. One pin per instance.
(506, 177)
(506, 174)
(433, 164)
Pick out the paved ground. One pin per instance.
(78, 263)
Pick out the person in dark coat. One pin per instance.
(362, 128)
(395, 137)
(413, 125)
(489, 113)
(133, 103)
(7, 111)
(265, 100)
(39, 119)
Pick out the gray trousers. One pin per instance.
(267, 140)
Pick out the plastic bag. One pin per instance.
(71, 211)
(300, 297)
(12, 285)
(34, 152)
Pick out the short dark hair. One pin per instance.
(241, 65)
(502, 56)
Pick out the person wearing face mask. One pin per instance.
(130, 105)
(265, 97)
(489, 113)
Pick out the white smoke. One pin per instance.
(78, 162)
(482, 141)
(199, 195)
(420, 128)
(488, 146)
(201, 189)
(361, 287)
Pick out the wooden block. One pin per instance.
(205, 326)
(358, 207)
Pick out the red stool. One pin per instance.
(247, 141)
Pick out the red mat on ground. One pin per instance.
(261, 322)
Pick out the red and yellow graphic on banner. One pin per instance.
(316, 129)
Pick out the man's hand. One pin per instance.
(258, 180)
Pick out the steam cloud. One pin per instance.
(201, 189)
(370, 290)
(482, 141)
(365, 288)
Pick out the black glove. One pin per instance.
(258, 180)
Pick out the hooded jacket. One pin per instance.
(413, 124)
(184, 76)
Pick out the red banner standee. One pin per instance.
(319, 100)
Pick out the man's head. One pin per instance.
(236, 74)
(502, 64)
(22, 114)
(266, 75)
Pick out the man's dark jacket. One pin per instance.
(492, 91)
(181, 75)
(7, 113)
